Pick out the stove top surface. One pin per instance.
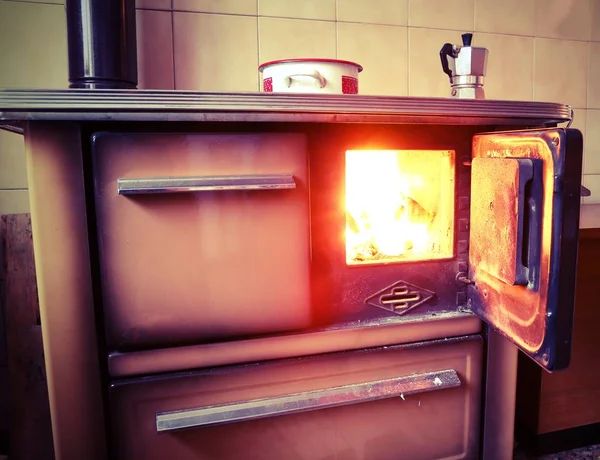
(152, 105)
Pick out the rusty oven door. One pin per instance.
(525, 196)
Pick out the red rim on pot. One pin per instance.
(300, 60)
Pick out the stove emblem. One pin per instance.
(400, 297)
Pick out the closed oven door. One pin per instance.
(201, 237)
(525, 195)
(403, 402)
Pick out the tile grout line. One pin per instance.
(591, 23)
(533, 66)
(408, 48)
(258, 76)
(589, 62)
(137, 9)
(587, 76)
(34, 3)
(337, 50)
(587, 89)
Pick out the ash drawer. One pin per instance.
(201, 236)
(419, 402)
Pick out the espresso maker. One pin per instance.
(466, 66)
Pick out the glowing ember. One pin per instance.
(384, 217)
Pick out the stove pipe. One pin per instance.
(101, 43)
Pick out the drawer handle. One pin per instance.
(310, 400)
(139, 186)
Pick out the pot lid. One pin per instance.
(308, 60)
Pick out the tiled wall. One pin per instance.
(543, 50)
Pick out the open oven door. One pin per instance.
(525, 195)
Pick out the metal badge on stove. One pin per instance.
(400, 297)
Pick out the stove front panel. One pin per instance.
(215, 236)
(413, 181)
(201, 237)
(415, 402)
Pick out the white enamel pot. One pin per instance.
(326, 76)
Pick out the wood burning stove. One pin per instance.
(233, 275)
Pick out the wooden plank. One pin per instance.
(571, 398)
(30, 426)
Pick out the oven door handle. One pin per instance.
(306, 401)
(153, 185)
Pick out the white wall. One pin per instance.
(543, 50)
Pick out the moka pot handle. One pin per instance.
(447, 50)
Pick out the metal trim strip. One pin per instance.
(158, 361)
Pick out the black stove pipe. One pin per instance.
(101, 44)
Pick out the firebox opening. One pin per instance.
(399, 205)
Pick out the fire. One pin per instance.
(383, 219)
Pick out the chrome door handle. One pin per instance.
(306, 401)
(152, 185)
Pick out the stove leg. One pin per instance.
(60, 241)
(500, 395)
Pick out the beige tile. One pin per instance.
(292, 38)
(592, 182)
(155, 49)
(510, 66)
(392, 12)
(57, 2)
(579, 122)
(596, 20)
(14, 201)
(33, 46)
(561, 71)
(569, 19)
(441, 14)
(592, 143)
(153, 4)
(12, 161)
(215, 52)
(217, 6)
(305, 9)
(425, 75)
(589, 216)
(505, 17)
(146, 4)
(593, 96)
(382, 51)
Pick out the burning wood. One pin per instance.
(393, 203)
(408, 211)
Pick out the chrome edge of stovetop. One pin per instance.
(152, 105)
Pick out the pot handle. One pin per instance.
(319, 79)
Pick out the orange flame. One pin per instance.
(383, 220)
